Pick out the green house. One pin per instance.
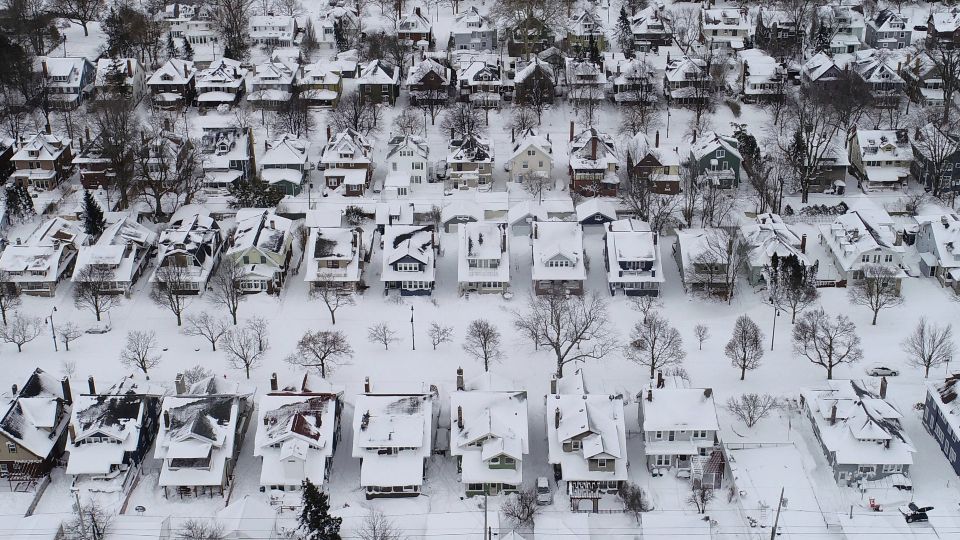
(715, 158)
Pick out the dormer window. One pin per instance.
(721, 153)
(575, 445)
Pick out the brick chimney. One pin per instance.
(660, 381)
(883, 388)
(649, 394)
(803, 244)
(273, 382)
(329, 134)
(656, 140)
(43, 67)
(366, 385)
(571, 131)
(459, 417)
(64, 387)
(694, 136)
(556, 417)
(593, 147)
(460, 385)
(73, 432)
(833, 414)
(553, 385)
(91, 385)
(15, 389)
(129, 67)
(180, 384)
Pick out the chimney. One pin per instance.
(833, 414)
(73, 432)
(86, 132)
(883, 388)
(649, 394)
(166, 419)
(166, 124)
(180, 384)
(803, 244)
(366, 385)
(129, 67)
(656, 140)
(571, 131)
(553, 384)
(273, 382)
(417, 10)
(459, 417)
(91, 385)
(14, 389)
(548, 137)
(707, 393)
(593, 147)
(43, 67)
(460, 385)
(556, 417)
(64, 388)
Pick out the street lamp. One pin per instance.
(776, 313)
(413, 336)
(53, 329)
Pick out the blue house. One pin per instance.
(409, 259)
(940, 411)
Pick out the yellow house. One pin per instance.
(262, 245)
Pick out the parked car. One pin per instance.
(913, 513)
(544, 494)
(882, 371)
(440, 169)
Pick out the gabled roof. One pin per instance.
(592, 149)
(347, 142)
(41, 147)
(129, 67)
(287, 149)
(710, 142)
(679, 409)
(36, 415)
(262, 229)
(470, 149)
(414, 23)
(531, 139)
(470, 20)
(767, 235)
(945, 233)
(678, 68)
(401, 241)
(597, 420)
(424, 68)
(378, 72)
(409, 142)
(531, 68)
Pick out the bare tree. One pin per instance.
(518, 13)
(382, 333)
(206, 326)
(261, 329)
(226, 291)
(751, 408)
(826, 342)
(462, 120)
(231, 20)
(168, 172)
(139, 350)
(9, 296)
(244, 348)
(439, 333)
(333, 296)
(634, 499)
(879, 289)
(745, 348)
(792, 285)
(20, 330)
(655, 344)
(353, 112)
(646, 304)
(81, 12)
(201, 529)
(431, 101)
(294, 115)
(937, 144)
(684, 23)
(946, 60)
(702, 332)
(196, 374)
(172, 281)
(68, 332)
(725, 256)
(575, 329)
(700, 496)
(377, 526)
(93, 289)
(521, 507)
(483, 342)
(119, 130)
(535, 184)
(90, 521)
(408, 123)
(522, 119)
(929, 346)
(323, 350)
(812, 124)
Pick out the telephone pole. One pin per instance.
(776, 520)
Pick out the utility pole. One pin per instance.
(776, 520)
(413, 335)
(83, 524)
(485, 529)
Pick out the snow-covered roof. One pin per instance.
(262, 229)
(679, 409)
(945, 398)
(767, 235)
(592, 149)
(378, 72)
(193, 233)
(470, 149)
(483, 240)
(348, 146)
(222, 73)
(486, 425)
(333, 244)
(695, 243)
(66, 72)
(173, 71)
(549, 210)
(36, 415)
(408, 241)
(424, 68)
(40, 257)
(414, 23)
(585, 23)
(418, 145)
(723, 20)
(121, 247)
(403, 422)
(469, 21)
(945, 21)
(531, 140)
(884, 145)
(710, 142)
(129, 67)
(596, 420)
(633, 252)
(945, 235)
(856, 233)
(819, 65)
(596, 206)
(650, 20)
(558, 251)
(856, 425)
(41, 147)
(685, 68)
(248, 518)
(286, 149)
(531, 67)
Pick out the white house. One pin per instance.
(173, 83)
(558, 257)
(632, 258)
(409, 259)
(263, 244)
(272, 84)
(69, 81)
(724, 29)
(298, 428)
(407, 164)
(483, 257)
(532, 158)
(285, 164)
(36, 265)
(860, 238)
(680, 431)
(333, 256)
(489, 435)
(125, 75)
(768, 235)
(587, 440)
(190, 247)
(880, 159)
(473, 31)
(938, 242)
(222, 83)
(392, 438)
(279, 30)
(123, 249)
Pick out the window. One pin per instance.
(11, 448)
(417, 165)
(531, 153)
(888, 258)
(866, 469)
(474, 487)
(574, 445)
(661, 461)
(893, 468)
(658, 435)
(495, 460)
(865, 258)
(721, 153)
(408, 267)
(602, 463)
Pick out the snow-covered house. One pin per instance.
(333, 257)
(415, 28)
(33, 428)
(473, 31)
(173, 84)
(820, 69)
(429, 82)
(943, 28)
(409, 259)
(587, 440)
(278, 30)
(658, 167)
(724, 30)
(483, 257)
(922, 80)
(37, 265)
(298, 429)
(629, 80)
(392, 438)
(222, 83)
(859, 431)
(776, 29)
(68, 81)
(321, 83)
(888, 30)
(593, 163)
(379, 82)
(408, 163)
(199, 30)
(632, 258)
(936, 158)
(110, 434)
(585, 30)
(702, 265)
(480, 80)
(940, 417)
(761, 77)
(535, 84)
(532, 157)
(42, 161)
(596, 211)
(585, 81)
(470, 162)
(226, 152)
(768, 236)
(285, 163)
(529, 36)
(860, 238)
(558, 257)
(880, 158)
(685, 80)
(716, 159)
(651, 29)
(938, 242)
(680, 429)
(460, 212)
(347, 160)
(522, 215)
(189, 249)
(885, 83)
(263, 244)
(121, 77)
(843, 24)
(489, 434)
(123, 250)
(272, 84)
(201, 431)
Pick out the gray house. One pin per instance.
(940, 418)
(472, 31)
(888, 30)
(859, 432)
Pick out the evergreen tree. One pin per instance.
(340, 36)
(594, 51)
(255, 193)
(93, 222)
(19, 203)
(309, 43)
(625, 33)
(748, 147)
(172, 51)
(315, 517)
(187, 50)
